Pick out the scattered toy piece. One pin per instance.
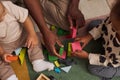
(66, 62)
(66, 69)
(56, 63)
(57, 70)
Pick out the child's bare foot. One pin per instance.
(80, 54)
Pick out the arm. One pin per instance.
(32, 39)
(4, 54)
(74, 14)
(50, 39)
(1, 51)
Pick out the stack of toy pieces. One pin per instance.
(19, 53)
(72, 47)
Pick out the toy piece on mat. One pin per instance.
(49, 56)
(75, 46)
(12, 58)
(66, 62)
(52, 58)
(22, 55)
(57, 70)
(42, 77)
(66, 69)
(56, 63)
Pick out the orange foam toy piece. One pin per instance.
(12, 58)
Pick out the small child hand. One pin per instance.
(31, 41)
(84, 39)
(4, 57)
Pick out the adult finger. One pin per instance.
(70, 20)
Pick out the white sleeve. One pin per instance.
(96, 32)
(18, 12)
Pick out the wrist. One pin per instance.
(74, 3)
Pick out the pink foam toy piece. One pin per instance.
(76, 46)
(73, 32)
(64, 55)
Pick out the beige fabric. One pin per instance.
(10, 29)
(55, 12)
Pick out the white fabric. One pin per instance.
(13, 77)
(12, 29)
(41, 65)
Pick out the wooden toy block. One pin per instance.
(42, 77)
(69, 49)
(12, 58)
(56, 63)
(76, 46)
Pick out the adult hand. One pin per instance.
(50, 39)
(75, 14)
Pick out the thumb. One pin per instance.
(60, 43)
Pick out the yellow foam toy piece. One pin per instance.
(22, 55)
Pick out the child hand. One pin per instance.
(80, 54)
(32, 41)
(84, 39)
(4, 57)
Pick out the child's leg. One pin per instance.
(6, 72)
(94, 23)
(37, 59)
(105, 73)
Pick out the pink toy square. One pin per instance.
(76, 46)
